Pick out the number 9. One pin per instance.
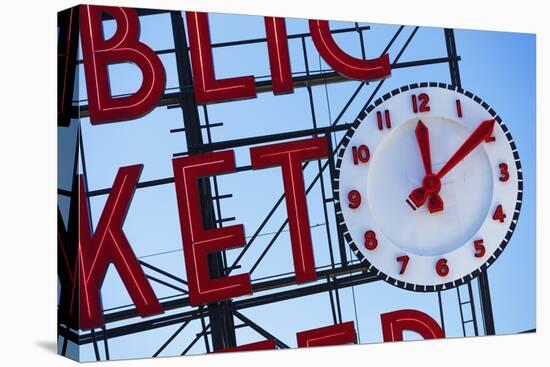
(354, 198)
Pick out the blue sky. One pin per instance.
(497, 66)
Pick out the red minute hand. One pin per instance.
(477, 137)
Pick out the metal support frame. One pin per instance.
(352, 276)
(486, 306)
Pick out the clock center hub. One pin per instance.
(431, 183)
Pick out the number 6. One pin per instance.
(442, 268)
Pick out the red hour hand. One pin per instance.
(423, 140)
(429, 188)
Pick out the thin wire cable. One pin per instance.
(260, 235)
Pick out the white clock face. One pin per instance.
(429, 186)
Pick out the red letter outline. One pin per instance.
(351, 67)
(108, 244)
(338, 334)
(67, 46)
(208, 89)
(394, 323)
(279, 60)
(198, 242)
(290, 156)
(124, 46)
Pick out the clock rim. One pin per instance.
(340, 217)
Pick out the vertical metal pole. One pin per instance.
(484, 289)
(472, 308)
(323, 194)
(441, 316)
(452, 54)
(220, 313)
(486, 307)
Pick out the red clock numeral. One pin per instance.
(370, 240)
(423, 106)
(354, 198)
(360, 154)
(499, 214)
(504, 175)
(480, 248)
(458, 108)
(442, 268)
(404, 260)
(380, 120)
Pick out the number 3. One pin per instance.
(504, 175)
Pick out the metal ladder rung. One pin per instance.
(469, 302)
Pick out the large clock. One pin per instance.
(428, 186)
